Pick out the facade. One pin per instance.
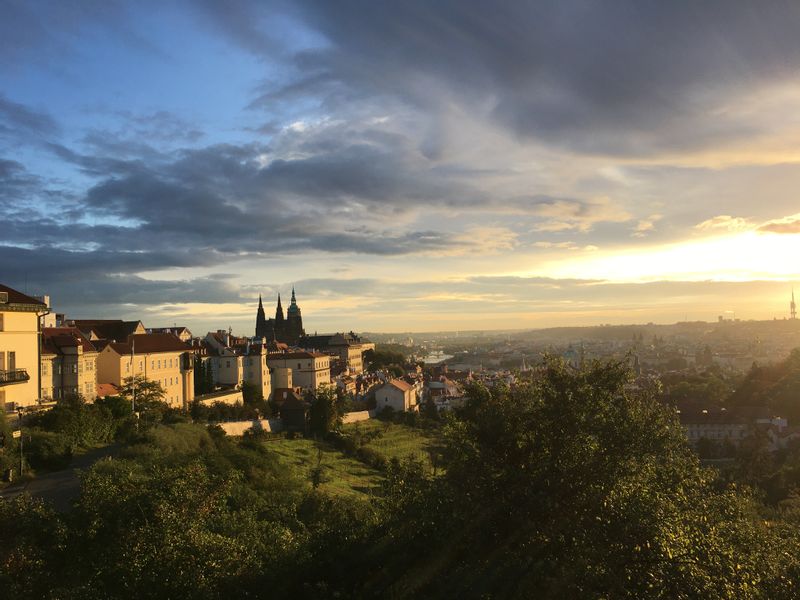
(20, 379)
(233, 365)
(310, 370)
(287, 329)
(159, 357)
(347, 348)
(396, 394)
(69, 364)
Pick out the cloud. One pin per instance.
(724, 223)
(645, 226)
(666, 81)
(19, 122)
(790, 224)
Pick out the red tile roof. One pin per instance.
(55, 338)
(150, 343)
(401, 385)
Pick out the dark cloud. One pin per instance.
(620, 78)
(19, 122)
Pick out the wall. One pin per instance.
(237, 428)
(361, 415)
(229, 397)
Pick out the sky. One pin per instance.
(407, 166)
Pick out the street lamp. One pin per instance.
(21, 455)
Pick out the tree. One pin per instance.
(324, 415)
(146, 391)
(570, 487)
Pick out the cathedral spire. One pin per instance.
(279, 310)
(294, 300)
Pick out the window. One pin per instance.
(12, 361)
(75, 368)
(228, 363)
(159, 364)
(152, 364)
(1, 321)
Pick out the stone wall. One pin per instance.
(237, 428)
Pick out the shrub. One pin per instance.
(48, 449)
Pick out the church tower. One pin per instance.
(294, 321)
(793, 307)
(261, 320)
(279, 311)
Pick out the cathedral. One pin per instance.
(287, 330)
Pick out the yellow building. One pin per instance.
(69, 364)
(19, 348)
(235, 364)
(310, 370)
(160, 357)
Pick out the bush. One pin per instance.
(48, 449)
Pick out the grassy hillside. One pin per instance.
(394, 440)
(341, 475)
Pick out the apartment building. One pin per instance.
(19, 348)
(310, 370)
(160, 357)
(69, 364)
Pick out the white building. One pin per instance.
(397, 394)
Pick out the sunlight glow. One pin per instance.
(742, 256)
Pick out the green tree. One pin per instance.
(324, 415)
(146, 391)
(570, 487)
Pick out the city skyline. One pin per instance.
(414, 167)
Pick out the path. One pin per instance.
(60, 488)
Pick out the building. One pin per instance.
(160, 357)
(347, 348)
(110, 330)
(396, 394)
(310, 370)
(182, 333)
(20, 380)
(234, 362)
(288, 330)
(69, 364)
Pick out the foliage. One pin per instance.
(143, 391)
(325, 414)
(381, 358)
(48, 450)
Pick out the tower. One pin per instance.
(261, 320)
(793, 307)
(294, 321)
(279, 309)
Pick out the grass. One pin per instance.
(398, 441)
(341, 475)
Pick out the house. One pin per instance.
(236, 361)
(182, 333)
(110, 330)
(310, 370)
(20, 381)
(160, 357)
(397, 394)
(68, 365)
(293, 410)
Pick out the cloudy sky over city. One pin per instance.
(407, 166)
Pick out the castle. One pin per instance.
(287, 330)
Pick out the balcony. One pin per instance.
(14, 376)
